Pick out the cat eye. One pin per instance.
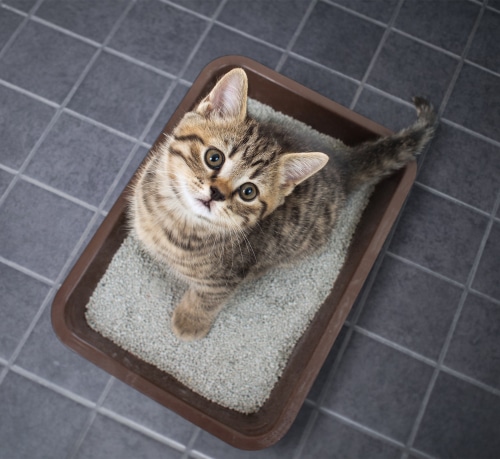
(214, 158)
(248, 191)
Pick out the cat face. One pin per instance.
(222, 170)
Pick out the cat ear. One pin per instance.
(228, 99)
(297, 167)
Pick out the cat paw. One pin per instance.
(188, 326)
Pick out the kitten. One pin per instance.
(225, 198)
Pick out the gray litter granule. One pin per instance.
(243, 356)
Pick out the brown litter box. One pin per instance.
(270, 423)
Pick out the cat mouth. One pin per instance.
(206, 203)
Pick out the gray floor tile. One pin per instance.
(443, 23)
(22, 121)
(384, 111)
(334, 440)
(381, 11)
(213, 447)
(339, 40)
(164, 116)
(5, 180)
(378, 387)
(410, 307)
(93, 18)
(109, 439)
(274, 22)
(90, 234)
(464, 167)
(460, 421)
(407, 68)
(328, 84)
(485, 48)
(158, 34)
(206, 7)
(120, 94)
(221, 42)
(127, 175)
(439, 234)
(486, 279)
(38, 229)
(79, 159)
(45, 61)
(475, 100)
(322, 377)
(44, 355)
(9, 22)
(21, 296)
(475, 347)
(37, 422)
(124, 400)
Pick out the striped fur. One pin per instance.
(194, 206)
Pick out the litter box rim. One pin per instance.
(265, 427)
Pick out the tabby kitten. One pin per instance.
(225, 198)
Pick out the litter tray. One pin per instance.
(266, 426)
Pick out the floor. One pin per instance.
(85, 87)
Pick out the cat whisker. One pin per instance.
(247, 242)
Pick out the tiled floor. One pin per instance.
(85, 86)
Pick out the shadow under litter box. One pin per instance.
(270, 422)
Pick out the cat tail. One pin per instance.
(369, 162)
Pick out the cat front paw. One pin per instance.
(189, 326)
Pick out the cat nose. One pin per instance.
(216, 194)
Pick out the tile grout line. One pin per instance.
(451, 331)
(472, 381)
(424, 269)
(138, 427)
(100, 125)
(451, 199)
(295, 35)
(191, 442)
(427, 44)
(394, 345)
(360, 427)
(355, 13)
(29, 94)
(90, 419)
(318, 65)
(33, 377)
(381, 44)
(57, 192)
(484, 296)
(472, 133)
(26, 271)
(27, 333)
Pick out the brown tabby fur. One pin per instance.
(192, 216)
